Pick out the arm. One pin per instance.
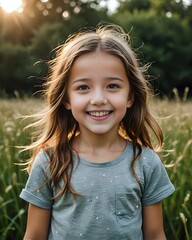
(153, 222)
(37, 223)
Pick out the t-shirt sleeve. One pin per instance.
(36, 191)
(157, 183)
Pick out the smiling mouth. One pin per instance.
(99, 113)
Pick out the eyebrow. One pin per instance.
(88, 79)
(81, 80)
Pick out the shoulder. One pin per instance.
(40, 171)
(41, 160)
(155, 180)
(147, 162)
(149, 157)
(150, 162)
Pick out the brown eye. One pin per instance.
(113, 86)
(82, 87)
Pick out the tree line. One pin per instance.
(160, 32)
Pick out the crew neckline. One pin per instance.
(115, 161)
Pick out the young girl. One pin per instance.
(94, 174)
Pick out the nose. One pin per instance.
(98, 97)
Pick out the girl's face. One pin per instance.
(98, 92)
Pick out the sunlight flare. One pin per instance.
(10, 6)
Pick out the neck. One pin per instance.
(98, 144)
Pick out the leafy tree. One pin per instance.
(161, 27)
(15, 28)
(133, 5)
(161, 7)
(29, 37)
(62, 10)
(170, 7)
(21, 27)
(15, 69)
(166, 43)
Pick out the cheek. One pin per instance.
(77, 104)
(121, 105)
(73, 100)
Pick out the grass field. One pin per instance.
(175, 117)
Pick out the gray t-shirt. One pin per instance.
(111, 200)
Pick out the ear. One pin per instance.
(67, 105)
(129, 102)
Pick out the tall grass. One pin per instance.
(12, 179)
(175, 119)
(177, 155)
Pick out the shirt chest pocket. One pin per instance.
(127, 205)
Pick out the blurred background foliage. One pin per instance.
(160, 30)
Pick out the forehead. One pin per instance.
(98, 63)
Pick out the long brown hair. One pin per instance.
(56, 125)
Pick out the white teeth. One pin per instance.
(98, 114)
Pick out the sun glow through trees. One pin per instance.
(10, 6)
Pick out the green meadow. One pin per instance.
(175, 117)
